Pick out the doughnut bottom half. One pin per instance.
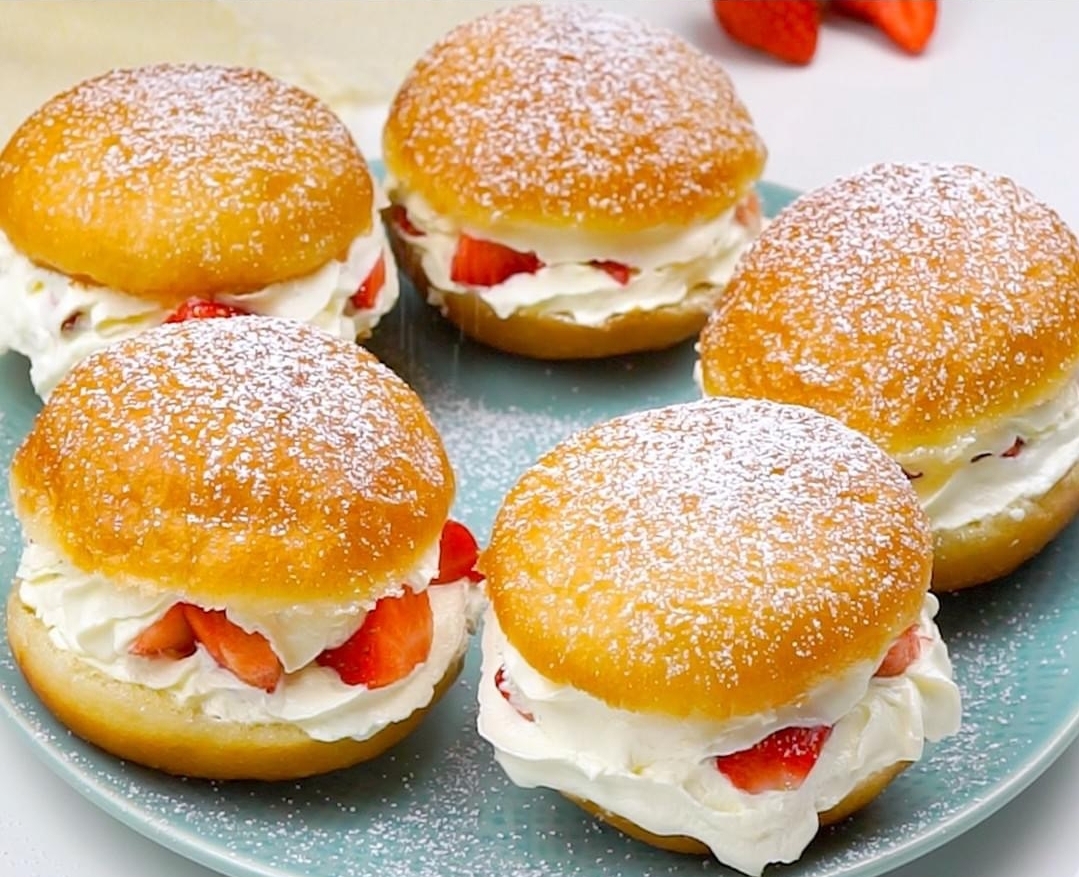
(556, 337)
(149, 727)
(855, 800)
(988, 549)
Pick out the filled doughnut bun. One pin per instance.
(933, 308)
(710, 625)
(567, 182)
(238, 562)
(150, 194)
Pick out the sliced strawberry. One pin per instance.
(747, 213)
(1015, 448)
(399, 217)
(457, 554)
(779, 762)
(73, 321)
(394, 637)
(247, 655)
(504, 690)
(907, 23)
(484, 263)
(902, 654)
(617, 270)
(365, 297)
(168, 637)
(785, 29)
(203, 309)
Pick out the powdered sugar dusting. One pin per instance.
(438, 805)
(684, 556)
(229, 163)
(568, 113)
(906, 300)
(216, 442)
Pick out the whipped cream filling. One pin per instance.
(980, 482)
(670, 264)
(98, 621)
(983, 474)
(56, 321)
(660, 772)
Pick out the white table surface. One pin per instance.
(998, 88)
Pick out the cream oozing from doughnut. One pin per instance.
(984, 474)
(659, 772)
(98, 621)
(667, 264)
(56, 320)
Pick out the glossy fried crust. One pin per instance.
(913, 302)
(176, 180)
(529, 332)
(567, 116)
(710, 560)
(858, 798)
(248, 461)
(150, 728)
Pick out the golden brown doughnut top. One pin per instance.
(713, 559)
(249, 459)
(913, 302)
(175, 180)
(570, 116)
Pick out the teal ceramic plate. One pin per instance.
(438, 806)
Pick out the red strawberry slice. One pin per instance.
(902, 654)
(203, 309)
(504, 690)
(785, 29)
(399, 217)
(457, 554)
(247, 655)
(617, 270)
(484, 263)
(365, 297)
(1015, 448)
(168, 637)
(779, 762)
(747, 213)
(394, 637)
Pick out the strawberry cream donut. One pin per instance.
(932, 308)
(710, 626)
(176, 190)
(568, 182)
(238, 560)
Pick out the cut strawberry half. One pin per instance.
(484, 263)
(616, 270)
(203, 309)
(902, 654)
(399, 217)
(394, 638)
(457, 554)
(247, 655)
(785, 29)
(365, 297)
(747, 213)
(780, 762)
(507, 695)
(168, 637)
(73, 321)
(907, 23)
(1015, 448)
